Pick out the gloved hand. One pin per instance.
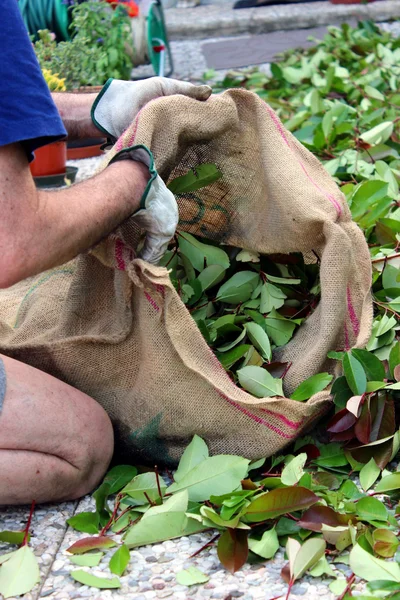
(158, 213)
(119, 101)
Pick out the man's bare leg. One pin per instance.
(55, 441)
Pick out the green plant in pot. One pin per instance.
(101, 47)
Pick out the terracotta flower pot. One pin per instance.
(85, 148)
(351, 1)
(49, 160)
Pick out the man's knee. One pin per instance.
(94, 449)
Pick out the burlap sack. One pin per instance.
(114, 327)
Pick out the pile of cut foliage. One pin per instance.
(341, 100)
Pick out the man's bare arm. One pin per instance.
(42, 229)
(74, 110)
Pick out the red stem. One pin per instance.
(291, 582)
(129, 525)
(149, 500)
(112, 518)
(205, 545)
(350, 582)
(286, 370)
(385, 258)
(158, 483)
(25, 540)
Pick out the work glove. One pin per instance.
(118, 103)
(158, 213)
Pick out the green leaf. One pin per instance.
(283, 280)
(87, 560)
(279, 330)
(238, 288)
(341, 392)
(120, 560)
(19, 574)
(101, 583)
(367, 194)
(369, 567)
(191, 576)
(378, 134)
(338, 586)
(260, 339)
(311, 386)
(145, 482)
(294, 469)
(389, 483)
(306, 557)
(391, 277)
(355, 374)
(233, 549)
(230, 357)
(91, 543)
(159, 523)
(119, 476)
(211, 276)
(369, 474)
(259, 382)
(113, 482)
(394, 358)
(196, 178)
(374, 369)
(271, 297)
(267, 546)
(279, 502)
(322, 567)
(248, 256)
(87, 522)
(374, 93)
(13, 537)
(215, 475)
(332, 455)
(233, 343)
(371, 509)
(212, 518)
(385, 542)
(197, 252)
(7, 556)
(194, 454)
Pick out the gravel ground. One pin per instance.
(152, 574)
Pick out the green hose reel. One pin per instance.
(46, 14)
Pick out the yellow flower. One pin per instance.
(55, 83)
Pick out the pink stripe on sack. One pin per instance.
(257, 419)
(135, 128)
(352, 314)
(119, 247)
(282, 132)
(286, 421)
(152, 302)
(160, 289)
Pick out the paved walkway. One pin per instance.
(214, 20)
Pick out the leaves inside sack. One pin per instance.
(195, 179)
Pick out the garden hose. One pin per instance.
(54, 15)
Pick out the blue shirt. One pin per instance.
(27, 111)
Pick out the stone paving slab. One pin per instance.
(221, 20)
(257, 49)
(48, 529)
(152, 571)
